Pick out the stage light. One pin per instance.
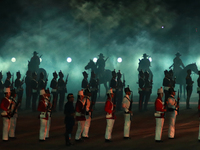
(13, 59)
(40, 59)
(119, 60)
(163, 27)
(95, 59)
(69, 59)
(150, 59)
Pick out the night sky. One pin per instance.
(81, 29)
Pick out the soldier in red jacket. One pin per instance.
(110, 116)
(159, 115)
(43, 107)
(6, 105)
(80, 115)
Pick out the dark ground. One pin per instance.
(142, 131)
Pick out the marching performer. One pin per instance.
(127, 105)
(159, 115)
(43, 107)
(6, 105)
(93, 87)
(54, 86)
(87, 103)
(85, 83)
(172, 111)
(80, 115)
(110, 116)
(69, 112)
(113, 85)
(166, 84)
(19, 88)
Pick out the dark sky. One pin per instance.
(82, 29)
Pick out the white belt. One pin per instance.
(166, 88)
(34, 91)
(54, 90)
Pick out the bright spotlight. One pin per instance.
(150, 59)
(163, 27)
(13, 59)
(40, 59)
(95, 59)
(69, 59)
(119, 60)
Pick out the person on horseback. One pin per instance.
(177, 63)
(101, 64)
(35, 62)
(144, 64)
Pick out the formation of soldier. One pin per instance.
(86, 99)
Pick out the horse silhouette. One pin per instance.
(181, 76)
(105, 76)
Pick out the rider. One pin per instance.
(35, 61)
(101, 64)
(177, 63)
(144, 64)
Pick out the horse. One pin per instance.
(104, 78)
(181, 76)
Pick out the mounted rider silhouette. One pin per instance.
(34, 62)
(101, 65)
(177, 64)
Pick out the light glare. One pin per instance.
(13, 59)
(95, 59)
(119, 60)
(69, 59)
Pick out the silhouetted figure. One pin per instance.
(19, 88)
(8, 83)
(141, 89)
(54, 86)
(93, 87)
(61, 90)
(148, 89)
(166, 84)
(34, 87)
(189, 86)
(34, 62)
(101, 64)
(1, 87)
(177, 63)
(172, 79)
(41, 83)
(113, 85)
(28, 89)
(120, 87)
(85, 83)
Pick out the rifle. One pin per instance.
(178, 99)
(12, 84)
(130, 107)
(17, 104)
(106, 59)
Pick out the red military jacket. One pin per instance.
(80, 111)
(159, 107)
(109, 109)
(42, 107)
(5, 106)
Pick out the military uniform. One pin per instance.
(127, 105)
(34, 87)
(28, 89)
(19, 88)
(85, 83)
(166, 85)
(80, 116)
(44, 116)
(93, 88)
(189, 87)
(141, 90)
(61, 90)
(54, 86)
(172, 112)
(113, 85)
(120, 86)
(159, 116)
(110, 116)
(148, 89)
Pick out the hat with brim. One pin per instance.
(101, 55)
(178, 54)
(35, 52)
(127, 89)
(145, 55)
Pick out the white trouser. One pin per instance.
(199, 132)
(13, 122)
(81, 125)
(43, 129)
(6, 128)
(159, 128)
(109, 127)
(127, 125)
(48, 127)
(172, 120)
(87, 125)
